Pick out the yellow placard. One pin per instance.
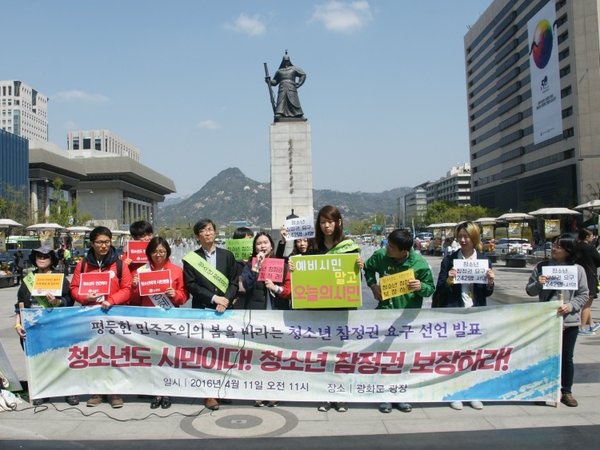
(45, 283)
(396, 284)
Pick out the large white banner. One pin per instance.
(545, 76)
(509, 352)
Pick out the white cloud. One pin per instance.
(341, 16)
(209, 124)
(252, 26)
(79, 96)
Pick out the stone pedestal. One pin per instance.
(291, 171)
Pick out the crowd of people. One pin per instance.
(212, 277)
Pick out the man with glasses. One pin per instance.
(210, 276)
(102, 257)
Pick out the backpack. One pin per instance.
(119, 267)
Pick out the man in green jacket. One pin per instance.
(398, 256)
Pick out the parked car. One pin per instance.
(543, 251)
(513, 245)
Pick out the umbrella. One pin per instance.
(5, 223)
(515, 216)
(554, 212)
(119, 232)
(486, 221)
(44, 226)
(591, 205)
(79, 229)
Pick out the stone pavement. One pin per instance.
(57, 425)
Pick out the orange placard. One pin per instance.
(47, 283)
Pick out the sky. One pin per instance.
(183, 81)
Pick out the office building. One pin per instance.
(455, 187)
(23, 110)
(93, 143)
(14, 154)
(533, 88)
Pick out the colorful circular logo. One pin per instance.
(542, 43)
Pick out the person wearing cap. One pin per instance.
(44, 260)
(102, 257)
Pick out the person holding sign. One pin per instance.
(141, 232)
(330, 239)
(301, 245)
(158, 252)
(573, 297)
(404, 279)
(210, 276)
(101, 278)
(45, 261)
(466, 279)
(238, 244)
(266, 282)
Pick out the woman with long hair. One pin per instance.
(572, 301)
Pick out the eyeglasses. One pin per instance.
(206, 231)
(102, 243)
(42, 256)
(159, 253)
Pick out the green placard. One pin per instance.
(241, 248)
(326, 281)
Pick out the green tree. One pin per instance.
(63, 212)
(15, 205)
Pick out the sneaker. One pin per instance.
(586, 331)
(260, 403)
(567, 399)
(595, 327)
(385, 408)
(324, 407)
(116, 401)
(72, 400)
(405, 407)
(94, 400)
(476, 404)
(456, 405)
(273, 403)
(156, 402)
(341, 407)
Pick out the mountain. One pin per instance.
(231, 195)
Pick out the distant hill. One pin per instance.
(231, 195)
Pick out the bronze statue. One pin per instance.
(289, 78)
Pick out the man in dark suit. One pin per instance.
(210, 276)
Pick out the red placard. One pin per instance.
(154, 282)
(270, 269)
(136, 251)
(96, 283)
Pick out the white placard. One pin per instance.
(300, 228)
(471, 271)
(560, 277)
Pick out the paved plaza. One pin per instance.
(241, 425)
